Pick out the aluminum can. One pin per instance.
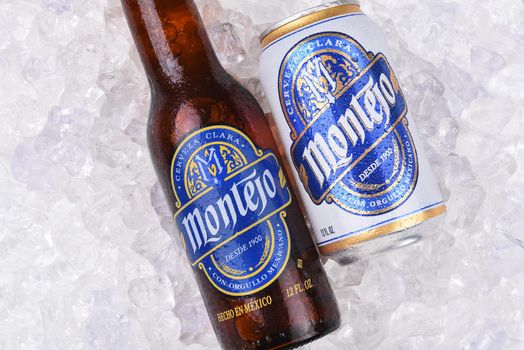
(364, 179)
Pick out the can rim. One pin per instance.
(303, 13)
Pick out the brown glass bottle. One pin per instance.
(197, 108)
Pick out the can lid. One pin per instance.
(306, 12)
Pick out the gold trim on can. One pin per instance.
(289, 26)
(399, 225)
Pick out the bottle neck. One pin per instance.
(172, 43)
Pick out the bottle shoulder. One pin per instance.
(218, 101)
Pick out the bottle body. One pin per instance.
(364, 178)
(253, 257)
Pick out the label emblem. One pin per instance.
(231, 198)
(351, 140)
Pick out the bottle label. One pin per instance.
(352, 146)
(231, 198)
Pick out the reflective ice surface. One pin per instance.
(86, 259)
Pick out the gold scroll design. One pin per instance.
(396, 167)
(230, 159)
(341, 78)
(282, 216)
(269, 247)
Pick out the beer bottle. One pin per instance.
(254, 259)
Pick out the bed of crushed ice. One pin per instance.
(86, 259)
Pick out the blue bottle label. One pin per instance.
(231, 198)
(351, 141)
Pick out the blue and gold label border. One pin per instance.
(271, 227)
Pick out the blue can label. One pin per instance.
(351, 141)
(232, 198)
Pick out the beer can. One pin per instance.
(362, 174)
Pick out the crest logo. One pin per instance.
(209, 167)
(351, 141)
(319, 81)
